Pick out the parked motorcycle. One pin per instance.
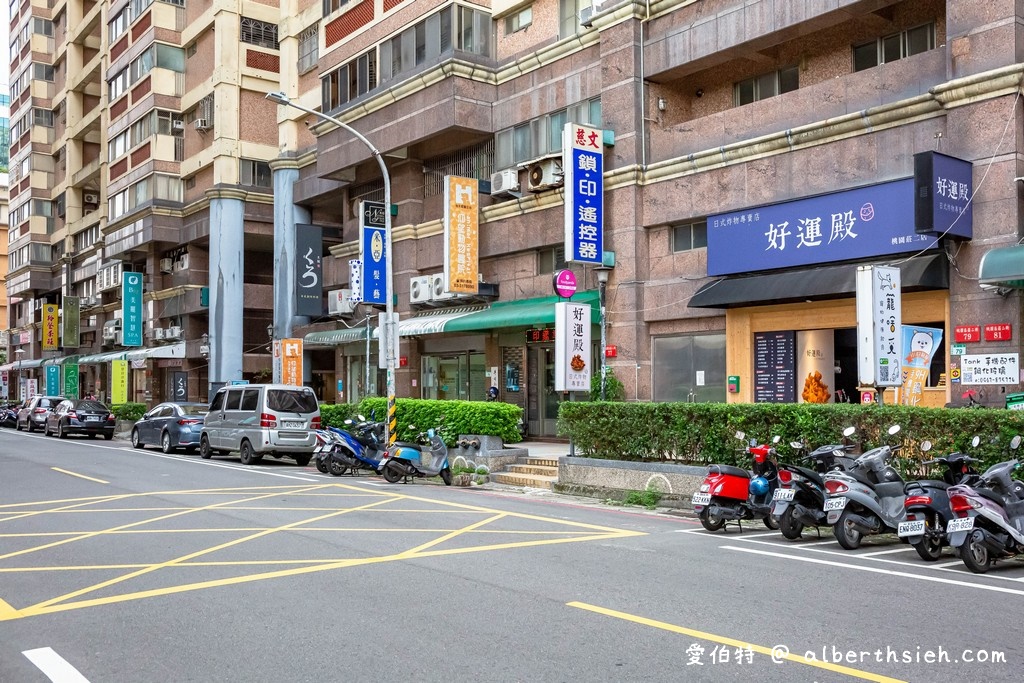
(9, 416)
(989, 516)
(927, 503)
(868, 498)
(407, 460)
(733, 494)
(799, 500)
(359, 446)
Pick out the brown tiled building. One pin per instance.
(717, 115)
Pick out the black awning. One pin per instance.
(827, 282)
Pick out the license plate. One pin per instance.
(961, 524)
(834, 504)
(700, 498)
(910, 528)
(784, 494)
(293, 425)
(92, 418)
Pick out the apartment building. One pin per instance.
(755, 154)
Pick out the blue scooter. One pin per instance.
(359, 447)
(407, 460)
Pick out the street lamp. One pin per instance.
(387, 334)
(602, 285)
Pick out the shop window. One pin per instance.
(689, 236)
(691, 368)
(892, 47)
(519, 21)
(767, 85)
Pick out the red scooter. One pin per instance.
(734, 494)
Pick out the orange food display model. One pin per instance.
(815, 391)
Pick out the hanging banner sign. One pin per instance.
(131, 309)
(118, 382)
(71, 321)
(583, 169)
(879, 326)
(461, 235)
(53, 380)
(919, 345)
(309, 270)
(372, 253)
(70, 372)
(179, 387)
(290, 351)
(572, 347)
(51, 338)
(355, 280)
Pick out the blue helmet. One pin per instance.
(759, 486)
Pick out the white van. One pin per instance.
(262, 419)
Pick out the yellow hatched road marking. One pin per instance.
(732, 642)
(80, 476)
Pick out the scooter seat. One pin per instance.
(992, 496)
(925, 484)
(730, 470)
(808, 473)
(889, 489)
(408, 444)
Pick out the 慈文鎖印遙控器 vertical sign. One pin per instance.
(583, 172)
(372, 253)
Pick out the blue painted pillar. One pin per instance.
(227, 277)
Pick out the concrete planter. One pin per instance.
(615, 478)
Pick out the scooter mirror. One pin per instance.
(361, 418)
(975, 441)
(894, 430)
(741, 436)
(849, 431)
(926, 446)
(796, 445)
(1015, 442)
(776, 439)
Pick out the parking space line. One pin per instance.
(56, 668)
(81, 476)
(775, 653)
(877, 570)
(885, 552)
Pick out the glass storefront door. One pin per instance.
(543, 400)
(455, 377)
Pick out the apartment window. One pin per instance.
(767, 85)
(118, 84)
(309, 48)
(118, 145)
(254, 173)
(43, 27)
(892, 47)
(690, 236)
(459, 28)
(569, 16)
(43, 117)
(542, 135)
(353, 79)
(550, 260)
(519, 20)
(119, 24)
(42, 72)
(256, 32)
(332, 5)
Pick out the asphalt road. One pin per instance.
(124, 565)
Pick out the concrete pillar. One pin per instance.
(286, 215)
(227, 295)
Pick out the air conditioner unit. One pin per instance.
(339, 302)
(545, 174)
(90, 198)
(201, 124)
(166, 265)
(117, 338)
(437, 292)
(587, 17)
(505, 182)
(420, 289)
(177, 124)
(181, 263)
(172, 333)
(158, 333)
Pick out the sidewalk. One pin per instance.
(542, 449)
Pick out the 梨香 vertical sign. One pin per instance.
(583, 169)
(131, 309)
(572, 346)
(461, 235)
(372, 253)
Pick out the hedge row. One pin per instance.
(458, 417)
(702, 433)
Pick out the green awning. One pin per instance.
(433, 323)
(101, 358)
(1003, 267)
(335, 337)
(523, 313)
(62, 360)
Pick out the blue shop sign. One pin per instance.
(854, 224)
(943, 191)
(373, 254)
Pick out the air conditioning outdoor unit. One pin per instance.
(177, 124)
(172, 333)
(587, 17)
(201, 124)
(339, 302)
(545, 174)
(437, 292)
(158, 332)
(505, 182)
(117, 338)
(420, 289)
(166, 265)
(90, 198)
(181, 263)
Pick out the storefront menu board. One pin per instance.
(775, 367)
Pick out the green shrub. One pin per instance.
(460, 417)
(614, 390)
(335, 414)
(648, 499)
(702, 433)
(128, 411)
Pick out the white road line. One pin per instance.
(878, 570)
(946, 564)
(237, 468)
(714, 535)
(885, 552)
(54, 666)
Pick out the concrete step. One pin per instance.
(543, 470)
(535, 481)
(541, 462)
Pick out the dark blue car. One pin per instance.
(172, 425)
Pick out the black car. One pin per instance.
(80, 416)
(33, 415)
(172, 425)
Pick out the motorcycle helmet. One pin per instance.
(758, 486)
